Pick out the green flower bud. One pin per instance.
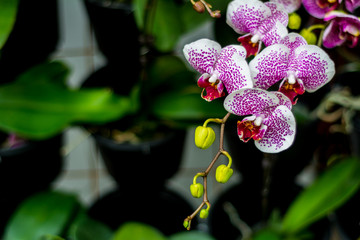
(197, 190)
(294, 21)
(309, 36)
(186, 224)
(204, 137)
(223, 173)
(204, 213)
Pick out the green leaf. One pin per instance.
(163, 22)
(267, 234)
(327, 193)
(89, 229)
(187, 106)
(39, 105)
(51, 237)
(137, 231)
(8, 10)
(191, 235)
(42, 215)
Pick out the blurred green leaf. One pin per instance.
(89, 229)
(51, 237)
(8, 10)
(191, 235)
(327, 193)
(42, 215)
(267, 234)
(39, 104)
(187, 106)
(137, 231)
(169, 72)
(167, 26)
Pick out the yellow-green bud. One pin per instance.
(204, 137)
(204, 213)
(186, 224)
(197, 190)
(309, 36)
(294, 21)
(223, 173)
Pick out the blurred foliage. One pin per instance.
(8, 9)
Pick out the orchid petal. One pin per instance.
(272, 31)
(280, 133)
(351, 5)
(269, 66)
(283, 100)
(248, 101)
(233, 69)
(341, 25)
(245, 16)
(293, 41)
(313, 66)
(313, 8)
(289, 5)
(278, 12)
(202, 54)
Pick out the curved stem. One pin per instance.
(206, 172)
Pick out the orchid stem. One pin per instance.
(204, 174)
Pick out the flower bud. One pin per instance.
(186, 224)
(197, 190)
(204, 137)
(199, 7)
(223, 173)
(309, 36)
(294, 21)
(204, 213)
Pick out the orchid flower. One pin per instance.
(219, 67)
(300, 67)
(265, 22)
(271, 123)
(343, 28)
(318, 8)
(351, 5)
(289, 5)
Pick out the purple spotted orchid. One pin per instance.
(319, 8)
(260, 22)
(300, 67)
(271, 123)
(219, 67)
(343, 29)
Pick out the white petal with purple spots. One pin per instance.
(280, 133)
(270, 66)
(272, 32)
(313, 66)
(250, 101)
(244, 16)
(202, 54)
(289, 5)
(233, 69)
(278, 12)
